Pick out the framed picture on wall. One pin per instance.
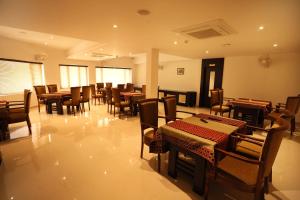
(180, 71)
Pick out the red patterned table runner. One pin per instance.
(223, 120)
(199, 131)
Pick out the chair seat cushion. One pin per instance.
(223, 108)
(148, 137)
(14, 117)
(241, 170)
(248, 148)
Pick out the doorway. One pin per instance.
(211, 78)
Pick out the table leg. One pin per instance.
(173, 155)
(49, 107)
(59, 107)
(199, 176)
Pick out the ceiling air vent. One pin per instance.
(208, 29)
(100, 55)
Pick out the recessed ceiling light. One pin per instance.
(261, 28)
(206, 51)
(143, 12)
(275, 45)
(175, 42)
(101, 49)
(115, 26)
(51, 37)
(226, 45)
(22, 32)
(86, 54)
(45, 43)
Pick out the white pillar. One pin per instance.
(152, 73)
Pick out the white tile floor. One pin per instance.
(96, 156)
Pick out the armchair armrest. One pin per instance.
(237, 156)
(250, 140)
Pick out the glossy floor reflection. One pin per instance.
(96, 156)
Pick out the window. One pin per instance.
(114, 75)
(72, 76)
(17, 75)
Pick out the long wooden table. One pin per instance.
(251, 110)
(197, 137)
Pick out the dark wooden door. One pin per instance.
(211, 78)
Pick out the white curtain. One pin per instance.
(72, 76)
(114, 75)
(17, 76)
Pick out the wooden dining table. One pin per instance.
(56, 98)
(133, 97)
(251, 110)
(196, 136)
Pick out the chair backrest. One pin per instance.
(170, 108)
(116, 95)
(292, 104)
(108, 94)
(129, 87)
(100, 85)
(272, 144)
(93, 90)
(39, 89)
(121, 86)
(86, 93)
(52, 88)
(27, 99)
(144, 89)
(75, 95)
(148, 113)
(214, 97)
(108, 84)
(221, 96)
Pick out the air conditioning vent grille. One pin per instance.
(205, 33)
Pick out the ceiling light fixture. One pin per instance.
(115, 26)
(226, 45)
(143, 12)
(275, 45)
(51, 37)
(175, 42)
(206, 51)
(261, 28)
(45, 43)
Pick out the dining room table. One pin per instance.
(253, 111)
(56, 98)
(196, 137)
(132, 98)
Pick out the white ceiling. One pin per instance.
(84, 27)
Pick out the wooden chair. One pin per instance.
(52, 88)
(99, 87)
(170, 109)
(74, 101)
(108, 85)
(117, 101)
(216, 102)
(149, 124)
(245, 174)
(144, 90)
(288, 110)
(129, 87)
(121, 87)
(86, 93)
(39, 90)
(95, 96)
(109, 99)
(18, 111)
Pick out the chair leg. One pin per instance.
(206, 188)
(293, 125)
(270, 176)
(158, 163)
(142, 147)
(39, 106)
(114, 111)
(83, 107)
(28, 124)
(89, 105)
(266, 185)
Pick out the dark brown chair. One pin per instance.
(99, 87)
(121, 87)
(248, 175)
(149, 124)
(129, 87)
(144, 90)
(170, 109)
(74, 101)
(117, 101)
(108, 85)
(39, 90)
(109, 99)
(288, 111)
(216, 102)
(86, 93)
(18, 111)
(95, 96)
(52, 88)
